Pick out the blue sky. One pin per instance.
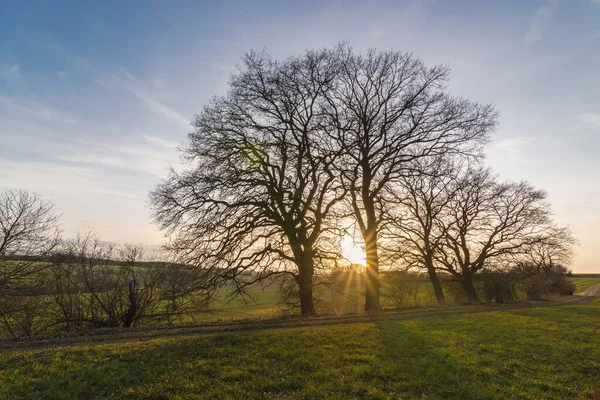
(95, 96)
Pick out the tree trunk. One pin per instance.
(307, 306)
(305, 287)
(133, 307)
(467, 282)
(372, 273)
(304, 279)
(435, 281)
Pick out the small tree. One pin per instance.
(487, 221)
(28, 235)
(29, 232)
(98, 284)
(415, 203)
(543, 265)
(183, 288)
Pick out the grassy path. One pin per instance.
(145, 334)
(593, 291)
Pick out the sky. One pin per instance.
(95, 97)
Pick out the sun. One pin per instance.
(353, 251)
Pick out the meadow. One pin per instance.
(550, 353)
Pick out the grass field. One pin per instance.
(265, 303)
(545, 353)
(583, 282)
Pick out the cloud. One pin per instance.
(30, 108)
(46, 176)
(86, 198)
(10, 73)
(161, 142)
(590, 120)
(159, 108)
(144, 92)
(511, 143)
(124, 156)
(535, 32)
(123, 79)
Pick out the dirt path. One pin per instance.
(144, 334)
(593, 291)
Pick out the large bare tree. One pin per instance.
(391, 109)
(260, 186)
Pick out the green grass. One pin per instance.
(545, 353)
(262, 303)
(584, 282)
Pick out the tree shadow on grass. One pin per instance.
(496, 355)
(564, 314)
(309, 363)
(422, 369)
(161, 369)
(487, 356)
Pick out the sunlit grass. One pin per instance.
(549, 353)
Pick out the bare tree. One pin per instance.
(487, 221)
(542, 266)
(416, 202)
(554, 248)
(28, 234)
(390, 109)
(183, 287)
(99, 284)
(256, 201)
(142, 283)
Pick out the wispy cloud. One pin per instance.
(45, 176)
(590, 120)
(159, 108)
(161, 142)
(141, 90)
(19, 107)
(122, 155)
(123, 79)
(538, 21)
(10, 72)
(511, 143)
